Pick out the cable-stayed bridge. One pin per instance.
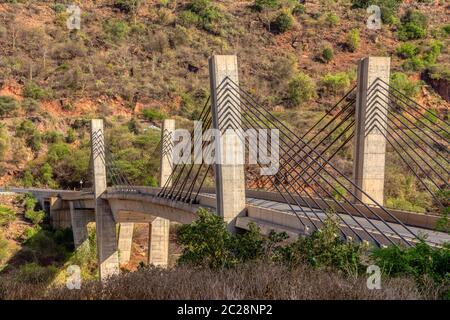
(336, 169)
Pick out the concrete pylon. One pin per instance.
(158, 246)
(107, 253)
(79, 220)
(166, 163)
(229, 168)
(370, 129)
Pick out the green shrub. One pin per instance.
(52, 137)
(207, 243)
(446, 29)
(298, 9)
(327, 53)
(36, 217)
(202, 13)
(116, 29)
(332, 20)
(34, 273)
(414, 25)
(46, 175)
(422, 262)
(59, 7)
(127, 6)
(401, 82)
(7, 215)
(30, 105)
(432, 53)
(282, 23)
(407, 50)
(324, 248)
(27, 178)
(33, 91)
(301, 88)
(152, 114)
(336, 83)
(8, 106)
(71, 136)
(353, 41)
(29, 201)
(262, 5)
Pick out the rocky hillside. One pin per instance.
(130, 56)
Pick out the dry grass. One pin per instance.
(258, 281)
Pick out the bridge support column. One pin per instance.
(229, 168)
(125, 242)
(108, 258)
(370, 128)
(158, 246)
(79, 221)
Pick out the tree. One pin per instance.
(301, 88)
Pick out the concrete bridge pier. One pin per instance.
(370, 128)
(229, 166)
(79, 220)
(158, 246)
(125, 242)
(107, 252)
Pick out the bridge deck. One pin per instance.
(432, 236)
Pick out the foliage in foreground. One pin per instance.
(208, 243)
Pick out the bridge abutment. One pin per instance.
(108, 258)
(229, 165)
(370, 130)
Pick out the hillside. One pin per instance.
(130, 56)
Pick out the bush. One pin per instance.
(208, 243)
(30, 105)
(36, 217)
(116, 29)
(301, 88)
(327, 53)
(407, 50)
(324, 248)
(127, 6)
(282, 23)
(422, 262)
(336, 83)
(202, 13)
(152, 114)
(262, 5)
(414, 25)
(8, 106)
(332, 20)
(401, 82)
(71, 136)
(7, 215)
(353, 40)
(299, 9)
(446, 29)
(52, 137)
(33, 91)
(34, 273)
